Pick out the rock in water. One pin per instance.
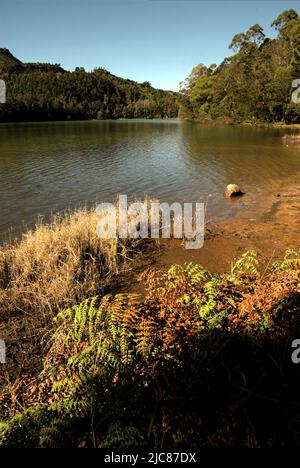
(233, 190)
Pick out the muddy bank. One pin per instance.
(269, 228)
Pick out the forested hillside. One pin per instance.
(7, 60)
(38, 91)
(254, 84)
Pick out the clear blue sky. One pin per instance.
(155, 40)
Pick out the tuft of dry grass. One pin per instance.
(54, 266)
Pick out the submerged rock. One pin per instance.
(233, 190)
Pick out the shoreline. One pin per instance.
(252, 224)
(269, 228)
(213, 122)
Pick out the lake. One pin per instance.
(48, 167)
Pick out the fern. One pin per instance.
(248, 263)
(195, 273)
(145, 336)
(116, 361)
(291, 262)
(122, 437)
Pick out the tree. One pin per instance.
(44, 91)
(254, 84)
(284, 18)
(256, 34)
(238, 41)
(190, 81)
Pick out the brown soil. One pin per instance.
(270, 228)
(274, 228)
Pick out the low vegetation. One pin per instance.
(202, 360)
(53, 267)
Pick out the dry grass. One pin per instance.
(53, 267)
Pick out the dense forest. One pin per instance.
(254, 84)
(39, 91)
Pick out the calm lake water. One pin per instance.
(47, 167)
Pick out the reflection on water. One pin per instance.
(47, 167)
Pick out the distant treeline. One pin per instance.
(255, 84)
(47, 92)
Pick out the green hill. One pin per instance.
(44, 91)
(7, 59)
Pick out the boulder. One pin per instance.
(233, 190)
